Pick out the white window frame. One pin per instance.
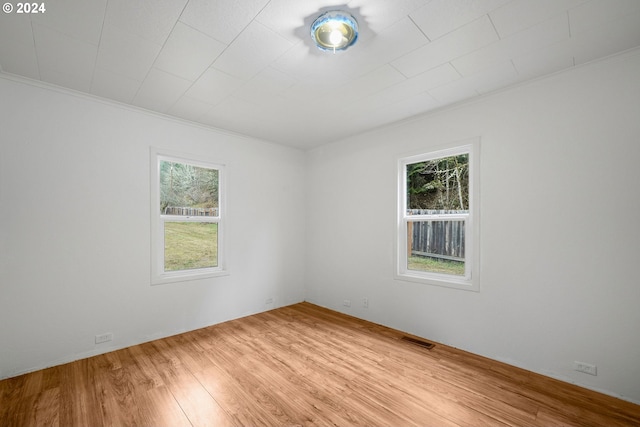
(158, 275)
(471, 279)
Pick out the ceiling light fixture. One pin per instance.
(334, 31)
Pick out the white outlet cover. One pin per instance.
(104, 338)
(586, 368)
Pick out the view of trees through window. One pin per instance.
(189, 192)
(187, 186)
(441, 184)
(437, 188)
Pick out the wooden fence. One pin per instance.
(183, 211)
(440, 238)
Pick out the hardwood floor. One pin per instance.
(299, 365)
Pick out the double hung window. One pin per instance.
(437, 217)
(187, 218)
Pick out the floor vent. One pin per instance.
(421, 343)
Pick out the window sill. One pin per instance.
(181, 276)
(439, 280)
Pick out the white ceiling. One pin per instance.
(248, 65)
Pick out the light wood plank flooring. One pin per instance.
(299, 365)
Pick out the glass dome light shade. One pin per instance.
(334, 31)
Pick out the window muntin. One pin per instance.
(187, 218)
(436, 227)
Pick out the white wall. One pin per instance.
(75, 227)
(560, 238)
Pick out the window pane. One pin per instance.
(188, 190)
(436, 246)
(190, 245)
(438, 184)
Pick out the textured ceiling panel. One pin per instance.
(440, 17)
(534, 38)
(17, 49)
(187, 52)
(149, 19)
(223, 20)
(460, 41)
(80, 20)
(126, 54)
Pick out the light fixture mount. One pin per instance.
(334, 31)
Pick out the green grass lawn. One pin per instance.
(433, 265)
(190, 245)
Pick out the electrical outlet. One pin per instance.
(585, 368)
(346, 303)
(269, 301)
(104, 338)
(365, 302)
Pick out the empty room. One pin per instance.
(286, 212)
